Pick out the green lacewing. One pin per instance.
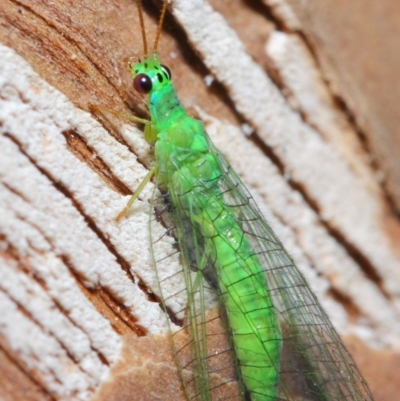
(280, 343)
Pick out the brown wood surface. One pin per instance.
(358, 48)
(81, 49)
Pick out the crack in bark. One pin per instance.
(30, 375)
(91, 224)
(80, 149)
(22, 267)
(339, 102)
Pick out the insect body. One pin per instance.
(190, 167)
(284, 346)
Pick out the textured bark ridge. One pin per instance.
(300, 99)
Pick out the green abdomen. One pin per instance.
(241, 280)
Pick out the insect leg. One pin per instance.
(136, 194)
(126, 116)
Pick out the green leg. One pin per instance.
(130, 117)
(126, 116)
(199, 275)
(136, 194)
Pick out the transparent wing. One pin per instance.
(202, 347)
(315, 365)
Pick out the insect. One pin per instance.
(281, 345)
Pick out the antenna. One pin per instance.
(140, 12)
(160, 23)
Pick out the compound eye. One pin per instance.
(142, 83)
(167, 71)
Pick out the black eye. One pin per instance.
(142, 83)
(167, 71)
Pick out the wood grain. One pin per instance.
(80, 312)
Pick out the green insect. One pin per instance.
(282, 345)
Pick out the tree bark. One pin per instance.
(297, 96)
